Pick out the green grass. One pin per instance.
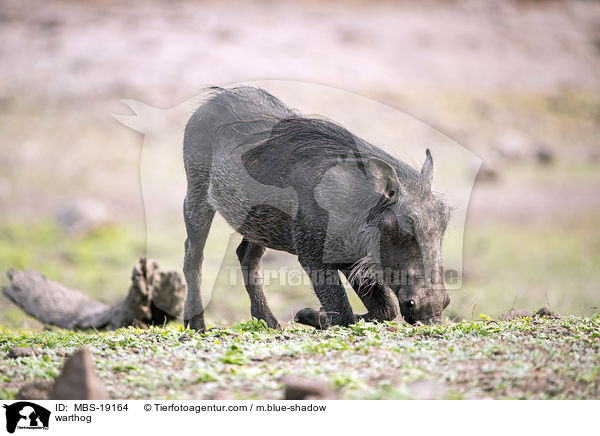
(530, 267)
(528, 358)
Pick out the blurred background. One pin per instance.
(514, 82)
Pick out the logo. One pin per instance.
(26, 415)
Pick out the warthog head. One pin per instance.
(411, 223)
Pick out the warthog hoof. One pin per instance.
(195, 323)
(313, 318)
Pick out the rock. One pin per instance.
(302, 388)
(81, 216)
(17, 352)
(545, 312)
(35, 390)
(544, 155)
(488, 172)
(515, 313)
(78, 379)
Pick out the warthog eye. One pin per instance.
(408, 306)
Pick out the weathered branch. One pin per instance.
(154, 297)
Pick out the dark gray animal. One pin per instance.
(311, 188)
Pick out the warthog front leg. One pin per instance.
(379, 301)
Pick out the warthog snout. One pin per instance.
(425, 310)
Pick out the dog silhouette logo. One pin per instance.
(26, 415)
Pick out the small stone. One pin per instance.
(301, 388)
(544, 155)
(515, 314)
(545, 312)
(81, 216)
(488, 172)
(78, 379)
(17, 352)
(35, 390)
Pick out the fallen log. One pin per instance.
(154, 297)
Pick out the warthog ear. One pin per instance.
(428, 169)
(384, 178)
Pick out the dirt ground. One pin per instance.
(77, 59)
(533, 358)
(165, 53)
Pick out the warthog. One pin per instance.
(311, 188)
